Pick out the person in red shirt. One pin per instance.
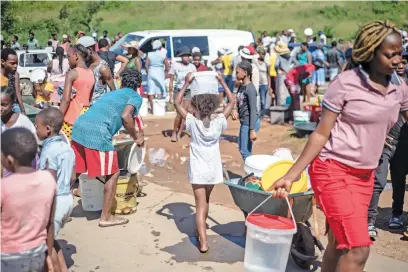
(197, 62)
(293, 82)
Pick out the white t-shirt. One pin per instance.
(205, 158)
(22, 121)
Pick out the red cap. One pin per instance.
(251, 49)
(268, 221)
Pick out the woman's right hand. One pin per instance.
(281, 187)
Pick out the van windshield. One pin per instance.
(127, 39)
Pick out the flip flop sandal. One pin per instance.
(123, 221)
(395, 224)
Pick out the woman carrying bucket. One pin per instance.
(346, 145)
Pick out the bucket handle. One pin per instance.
(290, 209)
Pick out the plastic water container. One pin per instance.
(300, 117)
(268, 241)
(258, 163)
(204, 82)
(283, 154)
(144, 108)
(159, 107)
(91, 193)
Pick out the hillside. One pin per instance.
(340, 19)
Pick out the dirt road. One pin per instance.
(173, 174)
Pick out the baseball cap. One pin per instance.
(86, 41)
(65, 36)
(247, 52)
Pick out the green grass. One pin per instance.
(343, 18)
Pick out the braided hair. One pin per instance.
(369, 38)
(131, 78)
(60, 54)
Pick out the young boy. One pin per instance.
(57, 157)
(27, 204)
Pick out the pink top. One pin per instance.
(56, 74)
(84, 86)
(26, 202)
(365, 117)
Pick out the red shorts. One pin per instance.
(344, 194)
(96, 163)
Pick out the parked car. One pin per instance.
(27, 62)
(209, 41)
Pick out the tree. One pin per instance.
(7, 18)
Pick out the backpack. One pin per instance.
(110, 58)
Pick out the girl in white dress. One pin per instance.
(205, 129)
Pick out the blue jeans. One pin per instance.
(229, 82)
(244, 142)
(263, 90)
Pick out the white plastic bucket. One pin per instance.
(204, 82)
(283, 154)
(91, 193)
(159, 107)
(268, 242)
(300, 117)
(144, 108)
(257, 164)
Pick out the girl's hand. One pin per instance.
(252, 135)
(281, 187)
(220, 77)
(234, 114)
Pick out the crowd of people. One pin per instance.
(83, 99)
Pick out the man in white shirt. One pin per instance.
(105, 36)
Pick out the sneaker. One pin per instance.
(372, 231)
(395, 223)
(406, 232)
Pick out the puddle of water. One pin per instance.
(223, 249)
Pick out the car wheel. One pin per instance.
(26, 87)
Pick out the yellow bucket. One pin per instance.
(125, 201)
(278, 170)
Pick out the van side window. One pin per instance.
(198, 41)
(147, 46)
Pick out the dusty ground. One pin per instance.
(174, 173)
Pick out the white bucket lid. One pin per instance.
(257, 164)
(136, 158)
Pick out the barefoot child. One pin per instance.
(27, 204)
(205, 160)
(57, 157)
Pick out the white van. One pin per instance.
(208, 40)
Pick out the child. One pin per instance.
(42, 88)
(11, 119)
(57, 157)
(247, 109)
(27, 204)
(205, 160)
